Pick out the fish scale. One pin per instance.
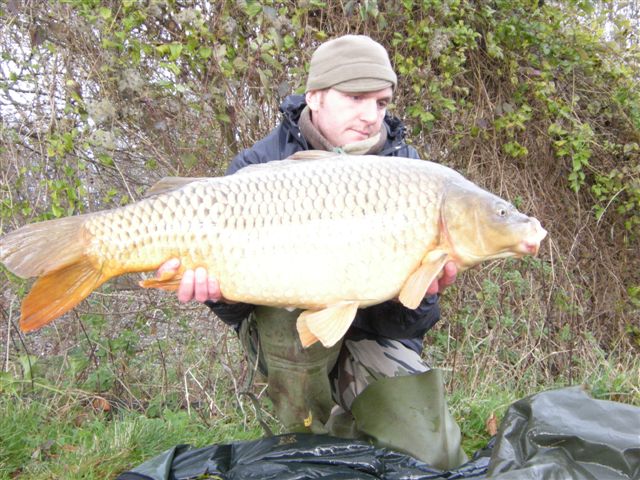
(323, 232)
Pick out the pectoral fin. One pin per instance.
(328, 325)
(169, 281)
(415, 288)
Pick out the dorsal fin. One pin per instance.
(312, 155)
(303, 156)
(169, 184)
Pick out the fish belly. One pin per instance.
(311, 266)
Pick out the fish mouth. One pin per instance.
(528, 248)
(531, 245)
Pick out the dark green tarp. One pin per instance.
(560, 434)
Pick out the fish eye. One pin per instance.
(502, 211)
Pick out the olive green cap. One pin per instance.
(352, 63)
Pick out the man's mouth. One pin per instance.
(360, 133)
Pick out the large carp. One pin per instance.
(323, 232)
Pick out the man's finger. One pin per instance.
(185, 290)
(168, 266)
(201, 285)
(434, 287)
(450, 273)
(214, 290)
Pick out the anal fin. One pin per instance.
(415, 288)
(327, 325)
(306, 337)
(169, 281)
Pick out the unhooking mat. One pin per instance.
(555, 435)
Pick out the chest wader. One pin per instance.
(298, 378)
(407, 413)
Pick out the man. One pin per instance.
(350, 84)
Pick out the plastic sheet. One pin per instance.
(560, 434)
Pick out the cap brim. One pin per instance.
(363, 85)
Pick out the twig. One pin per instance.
(5, 368)
(608, 205)
(258, 411)
(164, 366)
(186, 393)
(91, 344)
(24, 345)
(124, 180)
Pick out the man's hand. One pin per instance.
(194, 284)
(449, 273)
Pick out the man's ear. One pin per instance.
(313, 99)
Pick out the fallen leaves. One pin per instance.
(491, 424)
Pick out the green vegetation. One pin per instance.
(104, 401)
(536, 101)
(40, 441)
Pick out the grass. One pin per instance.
(41, 440)
(93, 397)
(127, 378)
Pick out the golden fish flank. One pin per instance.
(323, 232)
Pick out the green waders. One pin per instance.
(407, 413)
(410, 414)
(298, 377)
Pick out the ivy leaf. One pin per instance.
(205, 52)
(57, 211)
(175, 50)
(8, 384)
(28, 364)
(105, 13)
(189, 161)
(253, 9)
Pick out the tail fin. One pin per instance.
(55, 251)
(58, 292)
(39, 248)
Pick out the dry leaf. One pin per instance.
(309, 420)
(101, 404)
(491, 424)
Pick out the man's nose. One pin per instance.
(369, 111)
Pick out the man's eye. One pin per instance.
(383, 105)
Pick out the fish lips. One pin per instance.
(531, 244)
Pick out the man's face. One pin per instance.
(345, 118)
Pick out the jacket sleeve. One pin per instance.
(234, 313)
(231, 313)
(393, 320)
(263, 151)
(407, 151)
